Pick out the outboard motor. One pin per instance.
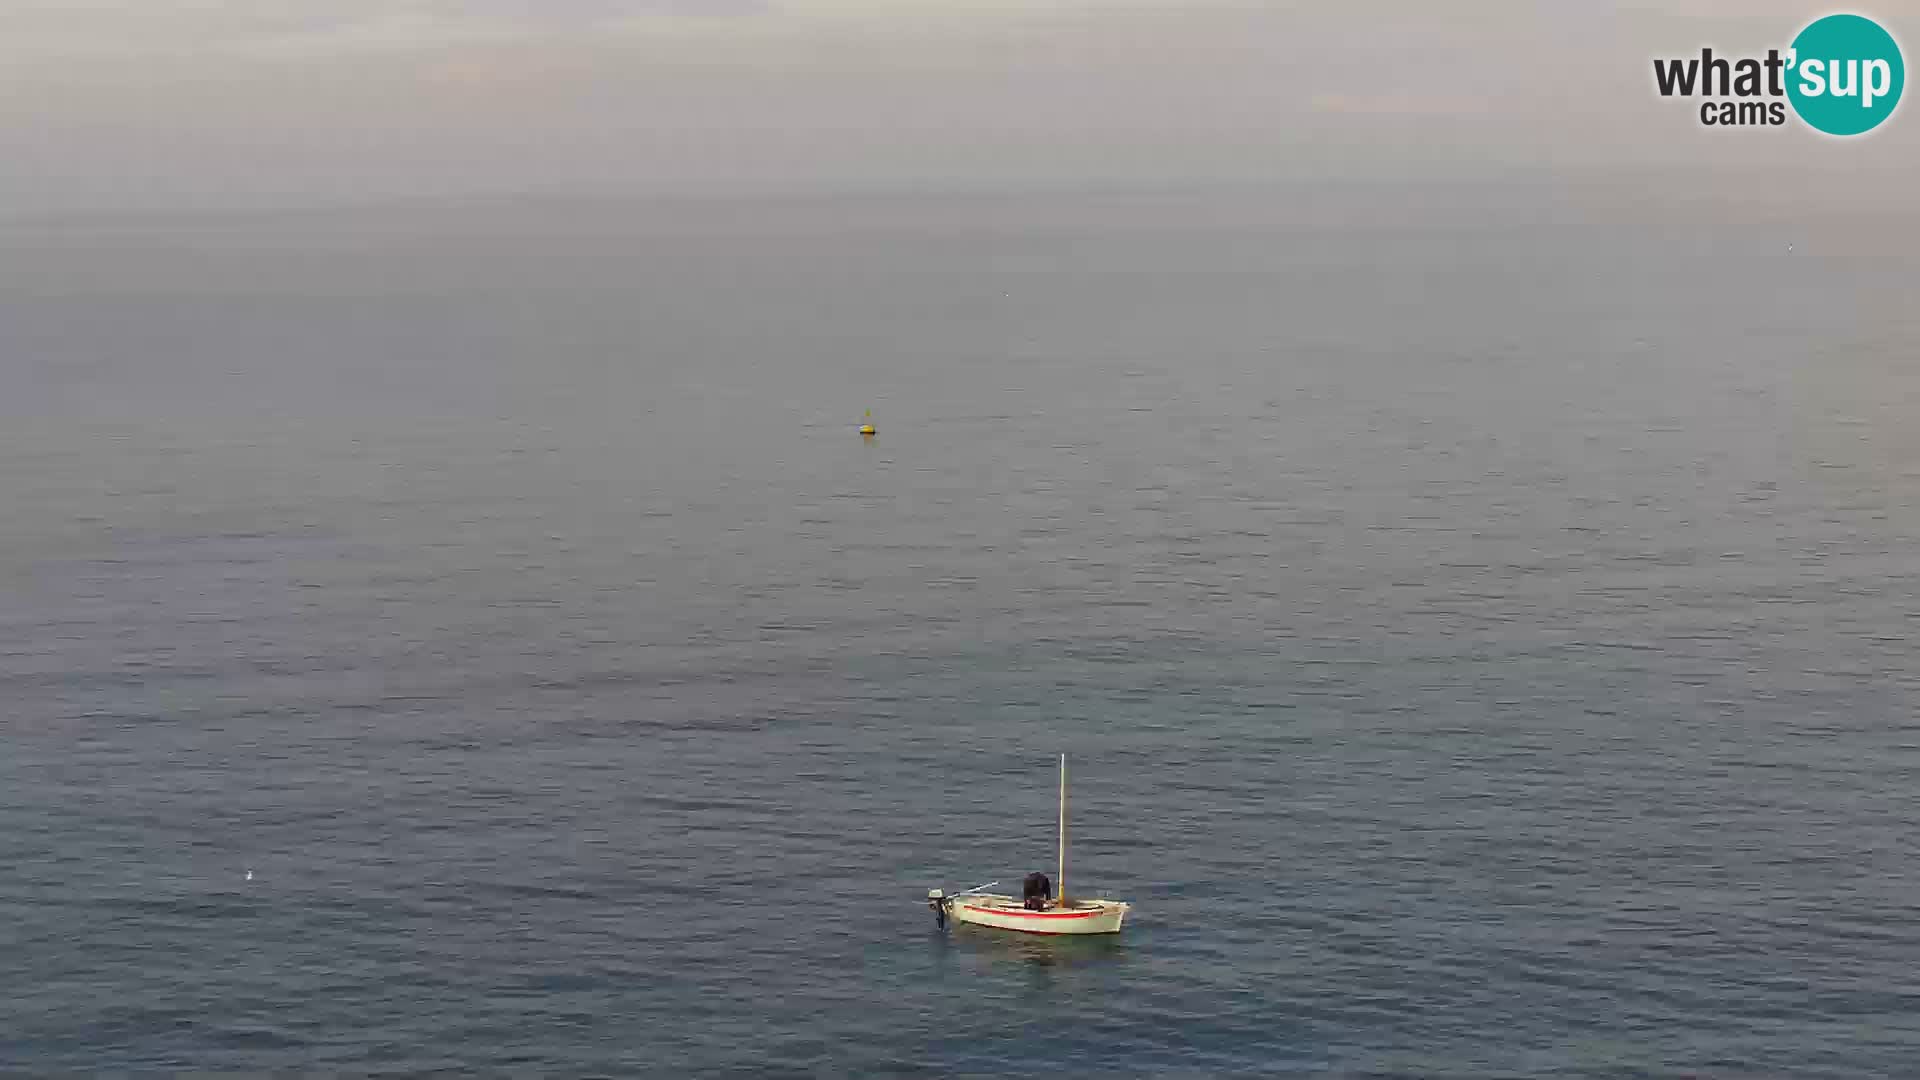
(937, 900)
(1036, 891)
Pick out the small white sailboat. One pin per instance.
(1055, 915)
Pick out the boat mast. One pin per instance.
(1061, 894)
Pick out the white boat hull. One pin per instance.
(1007, 913)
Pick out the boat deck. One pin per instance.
(996, 902)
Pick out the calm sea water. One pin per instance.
(1482, 634)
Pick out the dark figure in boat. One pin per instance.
(1037, 891)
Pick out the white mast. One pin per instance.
(1060, 894)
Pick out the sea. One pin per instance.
(472, 638)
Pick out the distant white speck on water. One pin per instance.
(249, 875)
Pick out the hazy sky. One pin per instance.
(136, 103)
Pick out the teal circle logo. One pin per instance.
(1847, 74)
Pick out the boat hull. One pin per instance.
(1007, 913)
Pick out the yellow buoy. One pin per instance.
(867, 428)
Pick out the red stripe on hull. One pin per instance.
(1022, 913)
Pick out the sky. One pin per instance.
(133, 104)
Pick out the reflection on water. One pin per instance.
(1039, 950)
